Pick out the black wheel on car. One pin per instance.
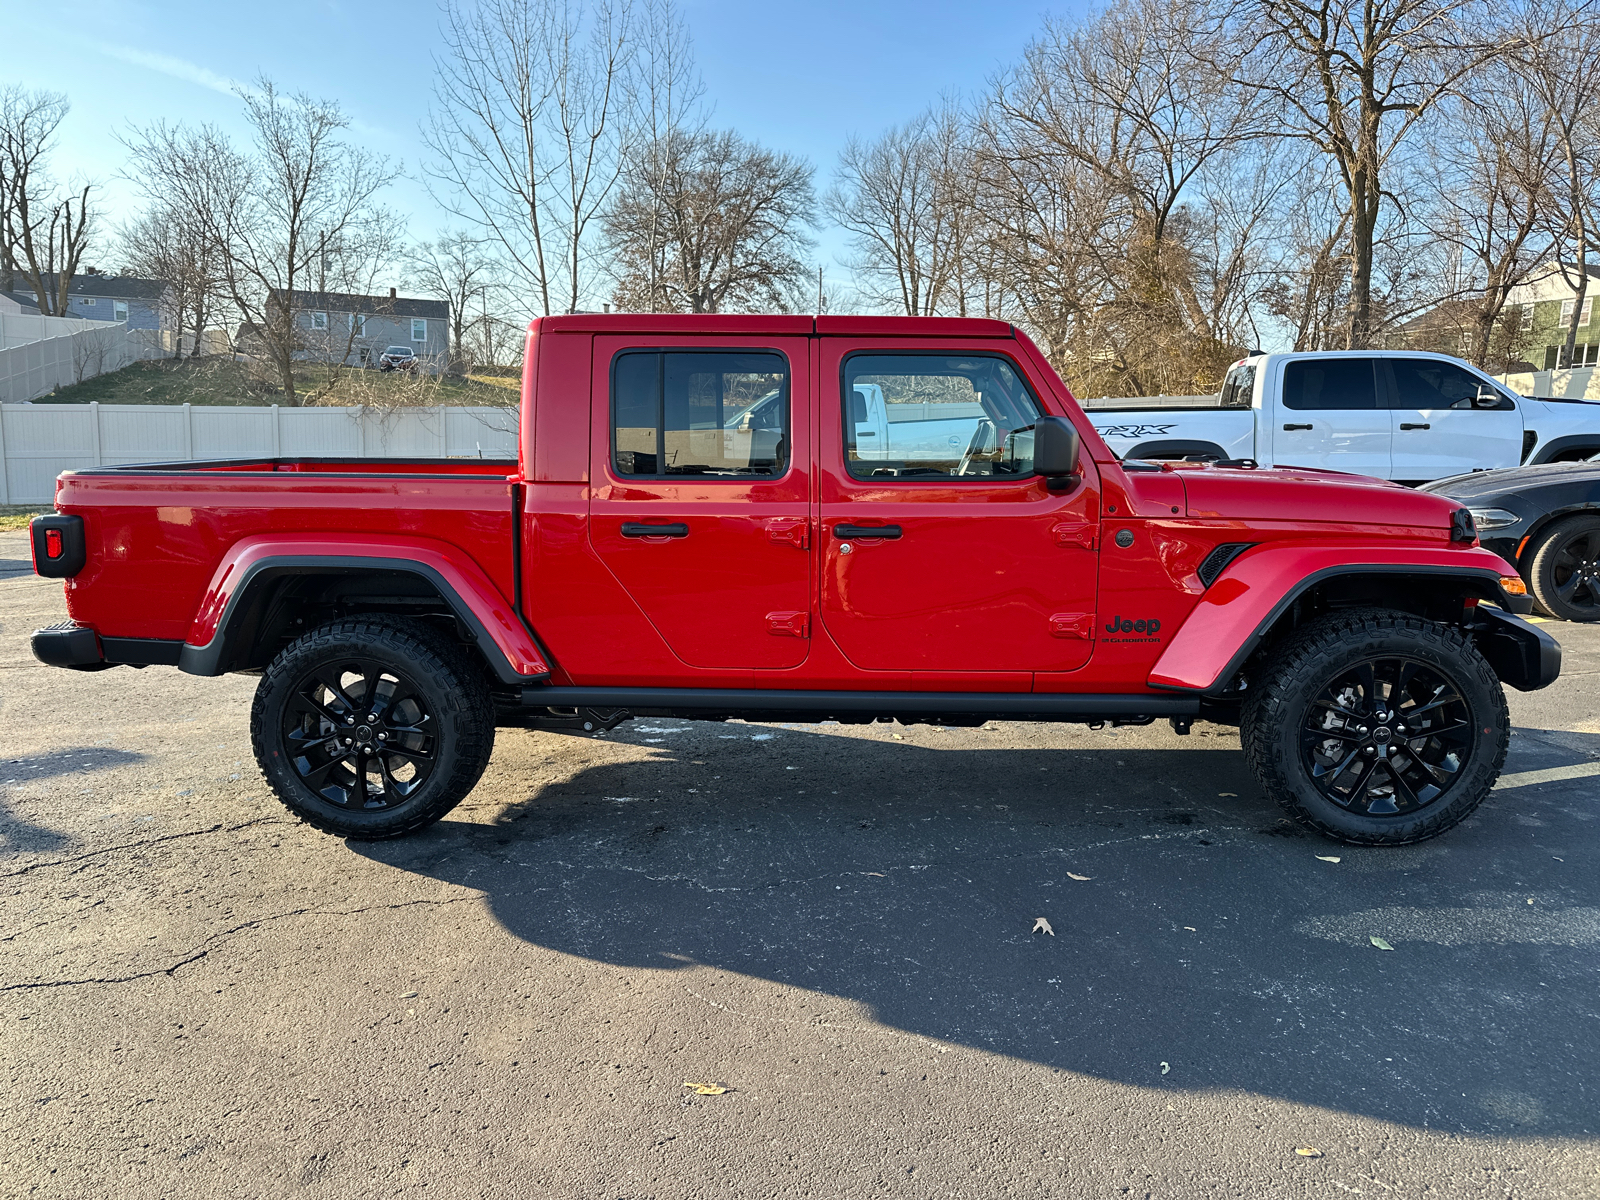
(372, 727)
(1377, 728)
(1564, 569)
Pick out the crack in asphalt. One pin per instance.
(166, 837)
(244, 926)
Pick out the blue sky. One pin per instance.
(800, 78)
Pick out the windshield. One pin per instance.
(398, 350)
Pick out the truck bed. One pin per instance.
(156, 533)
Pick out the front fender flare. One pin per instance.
(1239, 609)
(253, 563)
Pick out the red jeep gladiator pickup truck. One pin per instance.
(803, 519)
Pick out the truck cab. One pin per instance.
(809, 519)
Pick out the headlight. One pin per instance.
(1493, 518)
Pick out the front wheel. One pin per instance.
(1377, 728)
(1564, 570)
(372, 727)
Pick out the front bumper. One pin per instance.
(1523, 655)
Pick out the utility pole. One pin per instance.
(819, 290)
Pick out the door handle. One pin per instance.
(636, 529)
(1291, 428)
(1410, 425)
(847, 532)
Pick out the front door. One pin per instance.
(1447, 421)
(1330, 417)
(700, 505)
(941, 551)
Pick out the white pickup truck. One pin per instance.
(1392, 414)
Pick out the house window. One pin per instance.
(1527, 317)
(119, 310)
(88, 301)
(1588, 310)
(319, 320)
(419, 329)
(358, 324)
(1566, 311)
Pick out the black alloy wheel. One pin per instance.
(1375, 727)
(1386, 737)
(359, 734)
(372, 727)
(1564, 571)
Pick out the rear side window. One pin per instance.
(1239, 388)
(1329, 383)
(699, 413)
(933, 416)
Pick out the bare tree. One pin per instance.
(457, 268)
(43, 235)
(1355, 78)
(295, 211)
(906, 199)
(528, 127)
(173, 246)
(729, 217)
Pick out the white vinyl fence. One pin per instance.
(39, 441)
(40, 354)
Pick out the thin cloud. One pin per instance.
(177, 68)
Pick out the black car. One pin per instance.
(1546, 520)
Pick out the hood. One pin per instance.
(1482, 485)
(1297, 494)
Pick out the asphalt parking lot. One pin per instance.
(201, 997)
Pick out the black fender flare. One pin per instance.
(1176, 448)
(1572, 441)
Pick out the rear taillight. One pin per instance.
(58, 545)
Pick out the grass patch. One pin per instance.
(16, 516)
(220, 380)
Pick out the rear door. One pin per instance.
(941, 551)
(1329, 416)
(1446, 420)
(701, 499)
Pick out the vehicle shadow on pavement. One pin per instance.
(20, 836)
(1207, 940)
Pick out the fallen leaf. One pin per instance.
(1191, 929)
(1380, 943)
(1040, 923)
(408, 995)
(1079, 878)
(1308, 1152)
(1165, 1068)
(877, 874)
(1235, 795)
(705, 1089)
(1328, 857)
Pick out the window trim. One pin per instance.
(319, 313)
(1526, 324)
(932, 351)
(358, 324)
(1586, 313)
(616, 472)
(119, 310)
(414, 323)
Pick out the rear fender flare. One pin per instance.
(1555, 446)
(1176, 448)
(247, 571)
(1242, 606)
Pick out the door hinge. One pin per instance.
(786, 529)
(1072, 625)
(1074, 533)
(789, 624)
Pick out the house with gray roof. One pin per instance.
(355, 329)
(142, 303)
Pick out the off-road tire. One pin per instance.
(1542, 566)
(1300, 668)
(454, 697)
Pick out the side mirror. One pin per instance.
(1055, 453)
(1487, 397)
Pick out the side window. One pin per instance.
(936, 416)
(1329, 383)
(699, 413)
(1239, 388)
(1425, 383)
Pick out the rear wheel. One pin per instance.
(372, 727)
(1377, 728)
(1564, 569)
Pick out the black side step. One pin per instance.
(1019, 706)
